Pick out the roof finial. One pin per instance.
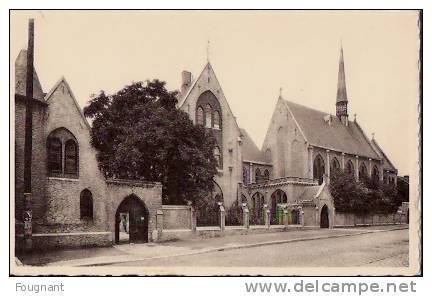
(373, 136)
(280, 92)
(355, 116)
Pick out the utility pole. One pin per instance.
(27, 214)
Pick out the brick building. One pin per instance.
(74, 204)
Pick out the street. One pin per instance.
(388, 249)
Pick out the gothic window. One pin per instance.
(208, 116)
(335, 166)
(200, 116)
(257, 175)
(375, 174)
(216, 120)
(245, 176)
(62, 151)
(217, 156)
(363, 171)
(54, 156)
(318, 169)
(86, 205)
(349, 168)
(266, 175)
(71, 158)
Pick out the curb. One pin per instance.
(132, 258)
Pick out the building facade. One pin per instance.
(74, 204)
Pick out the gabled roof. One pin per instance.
(387, 165)
(250, 150)
(48, 98)
(334, 135)
(21, 77)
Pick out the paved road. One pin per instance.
(388, 249)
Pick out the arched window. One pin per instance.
(245, 176)
(318, 169)
(216, 120)
(200, 116)
(71, 158)
(335, 166)
(363, 173)
(55, 157)
(257, 175)
(217, 156)
(208, 116)
(375, 174)
(62, 150)
(266, 175)
(86, 205)
(349, 169)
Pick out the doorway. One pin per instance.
(324, 223)
(131, 221)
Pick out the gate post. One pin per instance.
(159, 224)
(301, 216)
(193, 219)
(245, 216)
(222, 216)
(266, 216)
(285, 217)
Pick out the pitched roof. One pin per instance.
(250, 150)
(334, 135)
(21, 77)
(387, 165)
(63, 81)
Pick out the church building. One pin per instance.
(73, 204)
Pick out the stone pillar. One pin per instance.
(222, 216)
(356, 169)
(370, 167)
(285, 217)
(310, 162)
(266, 216)
(301, 216)
(343, 162)
(159, 224)
(245, 216)
(193, 219)
(327, 168)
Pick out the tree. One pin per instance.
(366, 196)
(140, 134)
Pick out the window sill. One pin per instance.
(64, 179)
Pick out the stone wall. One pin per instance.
(176, 217)
(285, 144)
(348, 219)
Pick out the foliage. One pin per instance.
(367, 196)
(234, 214)
(140, 134)
(207, 211)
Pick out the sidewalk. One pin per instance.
(134, 252)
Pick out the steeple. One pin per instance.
(341, 96)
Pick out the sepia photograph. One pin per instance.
(204, 142)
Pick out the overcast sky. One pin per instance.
(253, 53)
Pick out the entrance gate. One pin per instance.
(132, 214)
(324, 223)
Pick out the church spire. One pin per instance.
(341, 96)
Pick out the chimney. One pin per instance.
(186, 81)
